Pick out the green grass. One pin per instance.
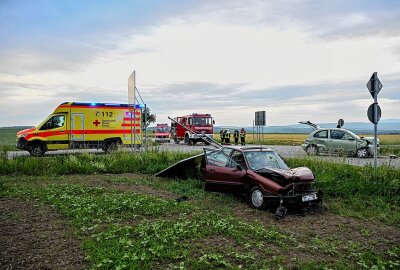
(122, 229)
(390, 150)
(361, 192)
(7, 139)
(118, 162)
(131, 231)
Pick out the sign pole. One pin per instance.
(145, 127)
(131, 101)
(376, 85)
(374, 112)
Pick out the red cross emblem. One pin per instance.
(97, 123)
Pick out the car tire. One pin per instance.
(312, 150)
(36, 150)
(363, 152)
(256, 198)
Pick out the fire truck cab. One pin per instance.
(197, 122)
(161, 133)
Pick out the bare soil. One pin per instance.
(34, 236)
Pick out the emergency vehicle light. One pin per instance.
(93, 104)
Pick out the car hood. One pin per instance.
(301, 174)
(26, 131)
(368, 139)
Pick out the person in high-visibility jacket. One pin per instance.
(227, 136)
(221, 134)
(236, 136)
(243, 136)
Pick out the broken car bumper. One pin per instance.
(298, 199)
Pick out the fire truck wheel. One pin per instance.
(36, 150)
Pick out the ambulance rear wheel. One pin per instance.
(36, 150)
(110, 146)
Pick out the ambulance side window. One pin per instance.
(56, 121)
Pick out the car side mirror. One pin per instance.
(238, 167)
(351, 139)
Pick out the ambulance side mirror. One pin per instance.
(213, 122)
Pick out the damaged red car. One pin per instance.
(261, 174)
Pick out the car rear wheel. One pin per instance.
(256, 198)
(312, 150)
(362, 153)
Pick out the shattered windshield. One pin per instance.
(265, 159)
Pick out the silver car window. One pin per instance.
(337, 134)
(321, 134)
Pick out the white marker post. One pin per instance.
(132, 109)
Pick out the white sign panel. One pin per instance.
(131, 88)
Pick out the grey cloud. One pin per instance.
(324, 19)
(335, 99)
(192, 95)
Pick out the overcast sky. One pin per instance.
(297, 59)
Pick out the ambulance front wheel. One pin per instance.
(36, 150)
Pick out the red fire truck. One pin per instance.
(161, 133)
(198, 122)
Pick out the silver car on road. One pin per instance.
(340, 141)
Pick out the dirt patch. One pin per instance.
(36, 237)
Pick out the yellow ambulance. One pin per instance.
(77, 125)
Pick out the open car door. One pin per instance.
(222, 173)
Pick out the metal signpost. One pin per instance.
(259, 122)
(132, 109)
(374, 113)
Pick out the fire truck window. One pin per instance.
(56, 121)
(202, 121)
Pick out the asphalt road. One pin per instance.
(283, 150)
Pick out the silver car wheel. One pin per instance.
(257, 198)
(362, 153)
(312, 150)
